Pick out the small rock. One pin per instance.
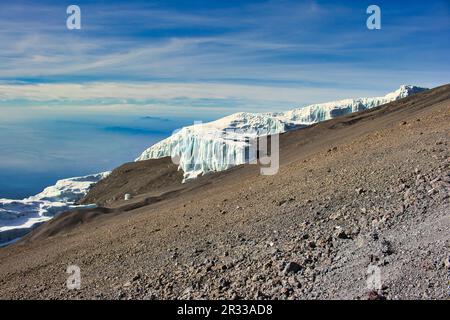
(197, 251)
(224, 283)
(435, 180)
(292, 267)
(281, 202)
(136, 277)
(375, 295)
(284, 201)
(374, 235)
(335, 215)
(386, 247)
(400, 209)
(332, 149)
(341, 234)
(447, 262)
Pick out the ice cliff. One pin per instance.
(222, 144)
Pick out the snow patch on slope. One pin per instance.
(18, 217)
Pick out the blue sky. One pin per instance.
(215, 56)
(75, 102)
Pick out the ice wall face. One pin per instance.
(18, 217)
(214, 146)
(222, 144)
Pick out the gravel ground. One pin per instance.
(358, 210)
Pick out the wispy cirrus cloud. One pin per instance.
(139, 94)
(268, 52)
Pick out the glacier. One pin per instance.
(222, 144)
(18, 217)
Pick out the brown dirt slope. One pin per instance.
(368, 190)
(135, 178)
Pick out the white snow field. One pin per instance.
(18, 217)
(222, 144)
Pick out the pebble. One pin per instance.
(292, 267)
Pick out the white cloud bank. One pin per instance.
(169, 91)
